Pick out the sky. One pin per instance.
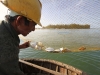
(67, 12)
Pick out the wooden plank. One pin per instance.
(63, 65)
(41, 68)
(73, 73)
(63, 70)
(69, 72)
(56, 68)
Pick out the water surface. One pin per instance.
(88, 61)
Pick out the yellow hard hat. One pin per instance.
(28, 8)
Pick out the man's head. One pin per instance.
(29, 14)
(27, 8)
(21, 24)
(24, 25)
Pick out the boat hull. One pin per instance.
(47, 67)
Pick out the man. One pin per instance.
(22, 19)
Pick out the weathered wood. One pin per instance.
(56, 68)
(69, 72)
(50, 67)
(39, 67)
(73, 73)
(63, 70)
(62, 64)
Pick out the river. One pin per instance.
(69, 38)
(88, 61)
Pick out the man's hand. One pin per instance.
(24, 45)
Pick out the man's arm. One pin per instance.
(24, 45)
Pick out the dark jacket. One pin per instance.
(9, 50)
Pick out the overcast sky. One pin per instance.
(67, 12)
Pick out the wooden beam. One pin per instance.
(41, 68)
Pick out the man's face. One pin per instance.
(25, 29)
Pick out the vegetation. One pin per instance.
(65, 26)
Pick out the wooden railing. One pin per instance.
(61, 68)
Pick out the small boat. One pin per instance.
(47, 67)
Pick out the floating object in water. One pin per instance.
(40, 44)
(57, 50)
(49, 49)
(33, 44)
(66, 50)
(61, 50)
(82, 48)
(37, 45)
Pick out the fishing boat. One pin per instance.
(47, 67)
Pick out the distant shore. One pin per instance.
(65, 26)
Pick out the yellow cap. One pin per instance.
(28, 8)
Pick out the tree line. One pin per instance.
(66, 26)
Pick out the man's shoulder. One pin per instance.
(0, 22)
(2, 25)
